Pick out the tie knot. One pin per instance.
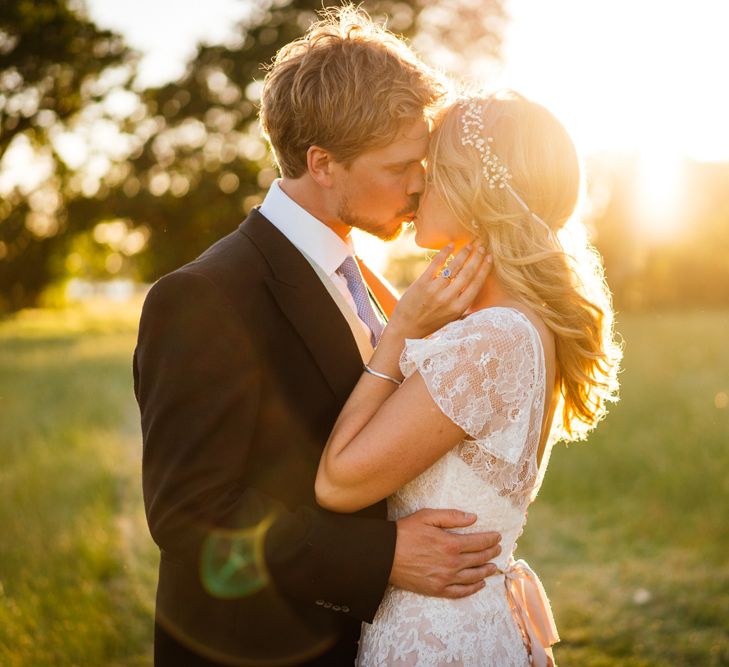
(349, 269)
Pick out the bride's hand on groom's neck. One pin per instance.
(442, 293)
(432, 301)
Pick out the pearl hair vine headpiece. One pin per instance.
(494, 171)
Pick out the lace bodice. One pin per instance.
(486, 372)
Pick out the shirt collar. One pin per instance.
(307, 233)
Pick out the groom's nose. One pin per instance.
(416, 182)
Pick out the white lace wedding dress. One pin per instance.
(487, 373)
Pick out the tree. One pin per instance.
(54, 65)
(195, 162)
(206, 165)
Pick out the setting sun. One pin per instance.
(659, 194)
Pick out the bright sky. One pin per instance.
(627, 74)
(167, 31)
(623, 75)
(637, 76)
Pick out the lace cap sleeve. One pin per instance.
(483, 372)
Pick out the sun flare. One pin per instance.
(659, 194)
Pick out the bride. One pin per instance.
(465, 417)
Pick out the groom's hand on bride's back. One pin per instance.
(430, 560)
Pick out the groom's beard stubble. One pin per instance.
(368, 225)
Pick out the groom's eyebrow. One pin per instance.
(404, 163)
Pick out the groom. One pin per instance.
(245, 357)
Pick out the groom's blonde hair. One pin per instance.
(347, 86)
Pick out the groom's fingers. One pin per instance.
(479, 558)
(458, 519)
(432, 560)
(461, 591)
(447, 518)
(477, 542)
(475, 574)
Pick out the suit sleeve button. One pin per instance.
(336, 607)
(320, 602)
(345, 609)
(327, 605)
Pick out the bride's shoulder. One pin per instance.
(498, 319)
(496, 328)
(507, 329)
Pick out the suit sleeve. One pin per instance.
(199, 389)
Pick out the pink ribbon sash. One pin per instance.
(532, 611)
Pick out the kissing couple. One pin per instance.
(334, 474)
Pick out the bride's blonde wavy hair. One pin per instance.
(560, 274)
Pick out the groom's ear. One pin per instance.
(320, 164)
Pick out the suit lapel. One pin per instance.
(361, 339)
(306, 303)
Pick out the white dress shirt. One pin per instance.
(312, 237)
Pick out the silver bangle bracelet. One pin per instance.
(377, 374)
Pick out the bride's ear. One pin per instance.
(320, 164)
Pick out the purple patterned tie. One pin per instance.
(350, 271)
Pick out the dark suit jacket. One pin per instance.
(242, 365)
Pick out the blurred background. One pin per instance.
(129, 143)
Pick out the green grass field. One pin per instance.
(629, 534)
(77, 568)
(630, 531)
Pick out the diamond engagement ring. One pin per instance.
(446, 273)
